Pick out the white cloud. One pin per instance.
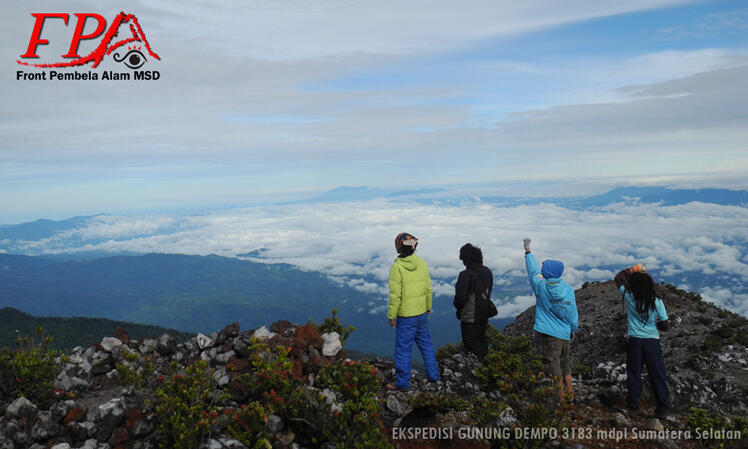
(302, 30)
(352, 242)
(515, 306)
(726, 298)
(245, 106)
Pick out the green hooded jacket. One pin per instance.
(410, 287)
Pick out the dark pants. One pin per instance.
(639, 352)
(474, 338)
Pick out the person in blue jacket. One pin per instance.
(556, 317)
(646, 315)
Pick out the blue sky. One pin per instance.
(261, 102)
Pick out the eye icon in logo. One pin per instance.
(133, 59)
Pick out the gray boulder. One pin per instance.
(21, 408)
(331, 344)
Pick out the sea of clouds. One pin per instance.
(696, 246)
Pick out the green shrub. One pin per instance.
(248, 424)
(136, 371)
(29, 369)
(448, 351)
(500, 342)
(353, 422)
(725, 332)
(741, 338)
(513, 368)
(738, 322)
(270, 376)
(705, 421)
(579, 369)
(734, 332)
(353, 380)
(186, 409)
(485, 412)
(712, 343)
(439, 402)
(333, 324)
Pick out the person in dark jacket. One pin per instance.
(472, 291)
(646, 316)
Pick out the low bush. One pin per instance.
(448, 351)
(342, 408)
(353, 380)
(29, 369)
(712, 344)
(439, 402)
(579, 369)
(135, 371)
(187, 408)
(333, 324)
(513, 368)
(486, 412)
(270, 376)
(247, 425)
(711, 427)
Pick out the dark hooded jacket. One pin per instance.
(474, 281)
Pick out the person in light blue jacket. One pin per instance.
(556, 316)
(646, 317)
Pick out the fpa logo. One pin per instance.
(124, 40)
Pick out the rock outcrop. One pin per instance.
(705, 351)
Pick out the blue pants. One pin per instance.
(639, 352)
(408, 330)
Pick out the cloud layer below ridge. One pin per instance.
(696, 246)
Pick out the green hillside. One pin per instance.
(71, 332)
(201, 294)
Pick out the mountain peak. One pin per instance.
(350, 193)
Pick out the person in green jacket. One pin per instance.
(409, 307)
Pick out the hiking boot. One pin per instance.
(633, 412)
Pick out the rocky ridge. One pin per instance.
(705, 350)
(94, 408)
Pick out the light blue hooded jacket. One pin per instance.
(556, 306)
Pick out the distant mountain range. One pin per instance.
(200, 294)
(365, 193)
(662, 195)
(42, 229)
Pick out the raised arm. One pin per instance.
(533, 272)
(624, 274)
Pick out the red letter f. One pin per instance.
(36, 34)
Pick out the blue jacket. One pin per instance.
(637, 326)
(556, 306)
